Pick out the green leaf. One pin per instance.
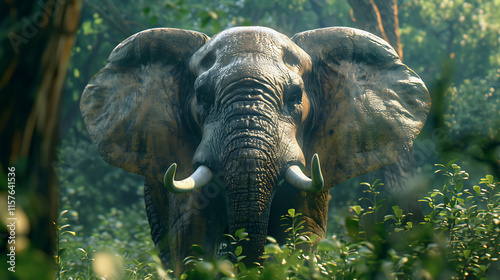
(65, 226)
(451, 162)
(291, 212)
(300, 223)
(272, 249)
(62, 213)
(229, 236)
(326, 245)
(357, 209)
(69, 232)
(435, 193)
(242, 267)
(188, 259)
(433, 214)
(466, 253)
(397, 211)
(389, 217)
(459, 186)
(489, 178)
(271, 239)
(302, 239)
(446, 200)
(197, 249)
(82, 250)
(453, 202)
(146, 10)
(440, 165)
(238, 250)
(352, 226)
(313, 238)
(226, 268)
(240, 233)
(61, 251)
(76, 73)
(477, 189)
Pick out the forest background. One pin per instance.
(453, 45)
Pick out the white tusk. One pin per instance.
(198, 179)
(298, 179)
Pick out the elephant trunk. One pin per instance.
(248, 196)
(251, 171)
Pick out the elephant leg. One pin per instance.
(156, 199)
(195, 218)
(313, 206)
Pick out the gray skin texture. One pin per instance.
(249, 103)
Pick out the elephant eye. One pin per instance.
(208, 61)
(204, 97)
(294, 98)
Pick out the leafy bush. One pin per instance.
(114, 247)
(458, 239)
(468, 114)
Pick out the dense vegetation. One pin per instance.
(458, 239)
(452, 45)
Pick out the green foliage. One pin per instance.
(372, 196)
(465, 32)
(450, 42)
(61, 230)
(78, 159)
(458, 239)
(121, 242)
(470, 111)
(199, 268)
(453, 45)
(295, 229)
(467, 219)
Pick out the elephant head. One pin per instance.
(247, 109)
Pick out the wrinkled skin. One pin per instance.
(247, 105)
(250, 118)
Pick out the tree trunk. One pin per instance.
(379, 17)
(33, 66)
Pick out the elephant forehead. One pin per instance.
(251, 39)
(259, 42)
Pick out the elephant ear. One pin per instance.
(371, 105)
(132, 107)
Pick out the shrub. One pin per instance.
(458, 239)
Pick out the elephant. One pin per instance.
(249, 117)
